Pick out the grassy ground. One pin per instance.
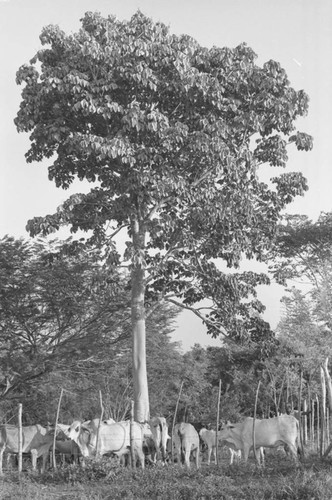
(279, 480)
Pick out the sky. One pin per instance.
(296, 33)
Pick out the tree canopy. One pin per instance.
(171, 135)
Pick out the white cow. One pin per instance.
(186, 441)
(68, 448)
(209, 438)
(269, 433)
(160, 436)
(112, 438)
(235, 454)
(35, 440)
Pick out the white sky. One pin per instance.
(296, 33)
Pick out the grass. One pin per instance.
(279, 480)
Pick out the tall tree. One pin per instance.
(171, 134)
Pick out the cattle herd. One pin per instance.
(150, 442)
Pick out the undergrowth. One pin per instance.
(104, 480)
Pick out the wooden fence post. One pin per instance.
(132, 444)
(312, 426)
(20, 438)
(174, 420)
(305, 422)
(253, 426)
(99, 423)
(318, 422)
(322, 412)
(327, 426)
(55, 429)
(299, 412)
(310, 416)
(217, 429)
(329, 394)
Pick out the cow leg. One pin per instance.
(178, 455)
(292, 449)
(45, 458)
(246, 453)
(259, 457)
(164, 453)
(141, 457)
(34, 459)
(197, 458)
(187, 458)
(2, 449)
(209, 455)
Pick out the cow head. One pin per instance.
(80, 434)
(226, 431)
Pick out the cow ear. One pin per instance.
(86, 428)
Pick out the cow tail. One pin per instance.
(163, 440)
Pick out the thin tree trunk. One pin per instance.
(140, 380)
(328, 382)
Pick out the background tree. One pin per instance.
(303, 253)
(56, 308)
(171, 135)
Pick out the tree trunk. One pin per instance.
(141, 393)
(328, 382)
